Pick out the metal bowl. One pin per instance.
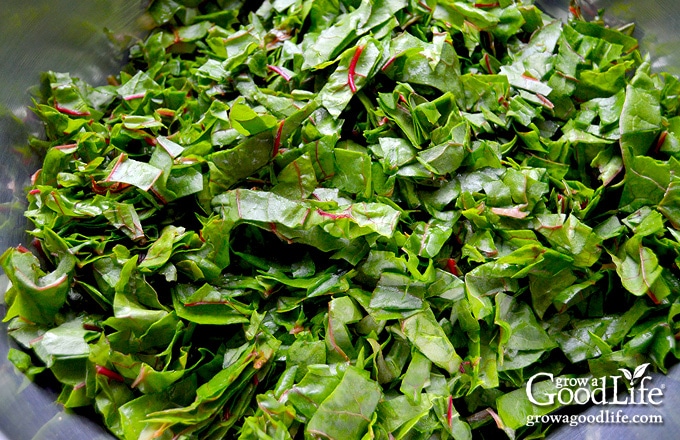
(88, 38)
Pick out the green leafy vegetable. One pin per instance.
(350, 220)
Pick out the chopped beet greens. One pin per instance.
(349, 220)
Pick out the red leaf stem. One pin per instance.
(449, 412)
(351, 72)
(68, 111)
(109, 373)
(486, 5)
(279, 71)
(277, 139)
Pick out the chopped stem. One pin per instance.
(351, 72)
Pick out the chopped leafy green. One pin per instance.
(350, 219)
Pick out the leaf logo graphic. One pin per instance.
(637, 373)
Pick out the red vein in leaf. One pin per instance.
(68, 111)
(424, 5)
(487, 63)
(388, 63)
(275, 230)
(486, 5)
(318, 161)
(120, 160)
(562, 203)
(331, 215)
(299, 178)
(545, 101)
(158, 195)
(279, 71)
(277, 139)
(651, 295)
(351, 72)
(56, 201)
(648, 178)
(331, 337)
(134, 96)
(207, 303)
(635, 47)
(35, 340)
(449, 412)
(549, 227)
(565, 76)
(510, 212)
